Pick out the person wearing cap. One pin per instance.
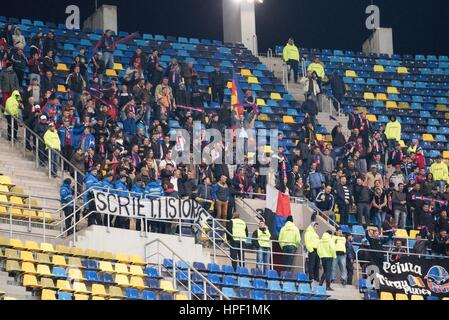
(311, 241)
(217, 83)
(12, 111)
(291, 57)
(327, 254)
(53, 146)
(289, 241)
(440, 173)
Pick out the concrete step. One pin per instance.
(347, 293)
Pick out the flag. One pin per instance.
(237, 96)
(277, 210)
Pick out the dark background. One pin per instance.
(418, 26)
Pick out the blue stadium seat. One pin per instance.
(149, 295)
(166, 296)
(272, 275)
(132, 294)
(59, 273)
(227, 269)
(258, 295)
(214, 268)
(229, 281)
(274, 285)
(304, 289)
(152, 273)
(230, 293)
(153, 284)
(244, 282)
(65, 296)
(107, 278)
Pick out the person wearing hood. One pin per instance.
(291, 57)
(12, 111)
(327, 254)
(8, 83)
(393, 131)
(311, 241)
(289, 241)
(66, 197)
(262, 242)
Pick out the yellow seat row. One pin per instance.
(400, 70)
(402, 234)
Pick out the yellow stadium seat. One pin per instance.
(59, 261)
(29, 214)
(401, 297)
(351, 74)
(319, 137)
(99, 290)
(27, 256)
(229, 85)
(368, 96)
(445, 299)
(121, 257)
(381, 97)
(3, 210)
(137, 260)
(12, 254)
(288, 120)
(428, 138)
(4, 243)
(111, 73)
(263, 117)
(63, 250)
(402, 70)
(386, 296)
(47, 283)
(81, 297)
(121, 268)
(12, 266)
(391, 105)
(122, 280)
(392, 90)
(414, 233)
(62, 67)
(329, 138)
(167, 286)
(106, 255)
(76, 274)
(64, 285)
(17, 244)
(9, 299)
(94, 254)
(261, 103)
(246, 72)
(30, 281)
(118, 67)
(47, 215)
(16, 213)
(106, 266)
(4, 189)
(116, 292)
(43, 258)
(62, 88)
(404, 105)
(75, 262)
(136, 271)
(98, 298)
(80, 287)
(268, 149)
(4, 199)
(48, 295)
(44, 270)
(28, 267)
(47, 247)
(253, 80)
(180, 297)
(417, 298)
(77, 252)
(401, 233)
(371, 118)
(379, 68)
(275, 96)
(137, 282)
(442, 108)
(6, 181)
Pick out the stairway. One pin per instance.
(347, 293)
(12, 289)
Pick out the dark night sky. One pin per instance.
(418, 26)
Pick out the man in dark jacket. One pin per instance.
(441, 244)
(217, 83)
(107, 48)
(338, 88)
(350, 258)
(76, 84)
(48, 83)
(344, 199)
(311, 108)
(363, 200)
(50, 44)
(8, 83)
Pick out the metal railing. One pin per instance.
(175, 257)
(54, 162)
(387, 254)
(331, 106)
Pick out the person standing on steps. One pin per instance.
(311, 241)
(327, 254)
(291, 57)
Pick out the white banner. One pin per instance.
(160, 209)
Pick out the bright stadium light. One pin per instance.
(239, 22)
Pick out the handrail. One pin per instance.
(332, 98)
(190, 267)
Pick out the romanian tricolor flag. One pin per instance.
(277, 210)
(416, 282)
(237, 96)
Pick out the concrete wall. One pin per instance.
(132, 243)
(380, 42)
(104, 18)
(239, 23)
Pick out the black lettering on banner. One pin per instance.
(172, 214)
(186, 213)
(159, 207)
(112, 200)
(195, 210)
(140, 208)
(171, 207)
(100, 201)
(123, 206)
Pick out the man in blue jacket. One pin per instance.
(121, 189)
(91, 182)
(67, 196)
(154, 191)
